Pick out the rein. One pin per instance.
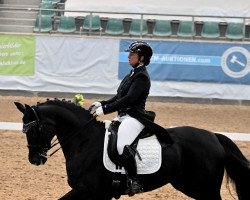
(56, 142)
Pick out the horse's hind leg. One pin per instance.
(201, 185)
(209, 194)
(209, 189)
(205, 192)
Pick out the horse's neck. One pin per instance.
(75, 129)
(88, 137)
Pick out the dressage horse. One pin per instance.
(194, 164)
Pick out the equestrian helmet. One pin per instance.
(143, 49)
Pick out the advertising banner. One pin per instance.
(17, 55)
(194, 62)
(90, 65)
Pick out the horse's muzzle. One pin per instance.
(37, 160)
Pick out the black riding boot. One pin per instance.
(129, 163)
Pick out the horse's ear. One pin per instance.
(20, 107)
(28, 108)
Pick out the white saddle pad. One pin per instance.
(149, 150)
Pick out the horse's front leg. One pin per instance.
(82, 193)
(77, 194)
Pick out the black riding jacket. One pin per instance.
(131, 94)
(131, 98)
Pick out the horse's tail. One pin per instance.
(237, 167)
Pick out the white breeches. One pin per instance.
(128, 130)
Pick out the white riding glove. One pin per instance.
(99, 111)
(96, 104)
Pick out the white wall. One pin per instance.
(240, 8)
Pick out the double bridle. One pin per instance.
(45, 148)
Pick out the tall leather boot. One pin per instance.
(129, 163)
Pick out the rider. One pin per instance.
(130, 103)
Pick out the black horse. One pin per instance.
(194, 164)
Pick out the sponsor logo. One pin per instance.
(235, 62)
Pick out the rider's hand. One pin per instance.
(99, 111)
(96, 104)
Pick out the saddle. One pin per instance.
(146, 146)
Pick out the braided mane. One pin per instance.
(78, 110)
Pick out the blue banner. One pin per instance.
(194, 61)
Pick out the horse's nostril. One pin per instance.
(35, 161)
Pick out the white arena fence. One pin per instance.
(234, 136)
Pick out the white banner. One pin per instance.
(90, 65)
(75, 64)
(70, 64)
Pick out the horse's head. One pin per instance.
(39, 140)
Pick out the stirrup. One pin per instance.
(134, 187)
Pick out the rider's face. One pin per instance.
(133, 58)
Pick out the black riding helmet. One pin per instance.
(143, 49)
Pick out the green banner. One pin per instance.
(17, 55)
